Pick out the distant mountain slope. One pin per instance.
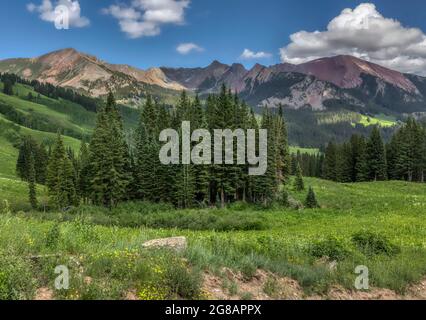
(86, 73)
(341, 81)
(317, 84)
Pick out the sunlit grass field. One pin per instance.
(380, 120)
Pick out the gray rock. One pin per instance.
(176, 243)
(295, 204)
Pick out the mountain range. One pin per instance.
(333, 82)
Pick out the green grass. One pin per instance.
(113, 255)
(9, 152)
(41, 135)
(380, 120)
(8, 156)
(51, 112)
(294, 150)
(15, 192)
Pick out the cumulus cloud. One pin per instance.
(248, 54)
(47, 12)
(365, 33)
(186, 48)
(144, 18)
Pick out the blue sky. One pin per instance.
(222, 30)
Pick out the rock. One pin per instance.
(329, 264)
(295, 204)
(177, 244)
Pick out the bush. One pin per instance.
(53, 236)
(283, 198)
(16, 281)
(311, 200)
(183, 282)
(371, 243)
(331, 248)
(5, 208)
(137, 214)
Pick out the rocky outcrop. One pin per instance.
(176, 243)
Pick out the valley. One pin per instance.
(246, 249)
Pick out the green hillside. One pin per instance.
(45, 113)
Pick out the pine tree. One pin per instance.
(153, 181)
(83, 178)
(311, 199)
(54, 172)
(361, 166)
(376, 156)
(61, 177)
(41, 158)
(109, 157)
(201, 172)
(26, 149)
(32, 183)
(67, 195)
(284, 158)
(8, 87)
(345, 163)
(299, 185)
(330, 162)
(268, 183)
(284, 201)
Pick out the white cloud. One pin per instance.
(186, 48)
(144, 18)
(365, 33)
(248, 54)
(46, 11)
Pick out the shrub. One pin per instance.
(271, 287)
(311, 199)
(16, 281)
(299, 185)
(53, 236)
(183, 282)
(371, 243)
(331, 248)
(137, 214)
(5, 208)
(283, 198)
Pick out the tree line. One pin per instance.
(371, 159)
(46, 89)
(116, 167)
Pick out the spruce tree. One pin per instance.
(83, 178)
(109, 157)
(330, 162)
(8, 87)
(67, 195)
(311, 199)
(201, 172)
(32, 183)
(54, 170)
(376, 156)
(284, 201)
(345, 163)
(299, 185)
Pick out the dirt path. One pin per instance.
(266, 286)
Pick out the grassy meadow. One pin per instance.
(380, 225)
